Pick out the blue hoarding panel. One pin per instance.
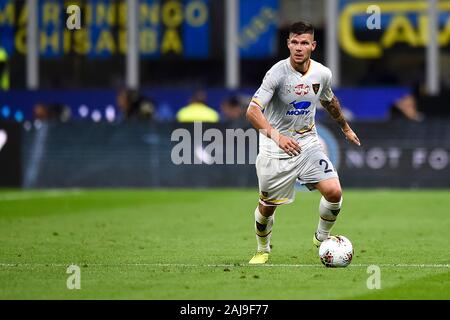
(258, 28)
(363, 103)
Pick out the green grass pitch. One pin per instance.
(195, 244)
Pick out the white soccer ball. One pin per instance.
(336, 251)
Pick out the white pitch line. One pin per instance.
(400, 265)
(23, 195)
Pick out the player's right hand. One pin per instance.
(289, 145)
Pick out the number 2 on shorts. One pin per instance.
(323, 161)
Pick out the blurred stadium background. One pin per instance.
(96, 107)
(65, 106)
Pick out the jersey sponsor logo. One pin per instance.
(301, 89)
(316, 87)
(299, 108)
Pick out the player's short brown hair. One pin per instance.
(301, 27)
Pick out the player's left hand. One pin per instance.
(351, 136)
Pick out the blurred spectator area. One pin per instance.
(94, 57)
(182, 51)
(103, 105)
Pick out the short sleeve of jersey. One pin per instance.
(266, 91)
(327, 94)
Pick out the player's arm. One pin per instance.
(259, 122)
(334, 109)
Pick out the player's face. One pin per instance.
(301, 46)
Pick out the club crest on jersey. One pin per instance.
(299, 108)
(301, 89)
(316, 87)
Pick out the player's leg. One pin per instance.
(264, 217)
(318, 172)
(329, 207)
(276, 184)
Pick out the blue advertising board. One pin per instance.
(166, 27)
(17, 105)
(258, 28)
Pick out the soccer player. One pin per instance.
(283, 111)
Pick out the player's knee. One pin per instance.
(266, 211)
(333, 195)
